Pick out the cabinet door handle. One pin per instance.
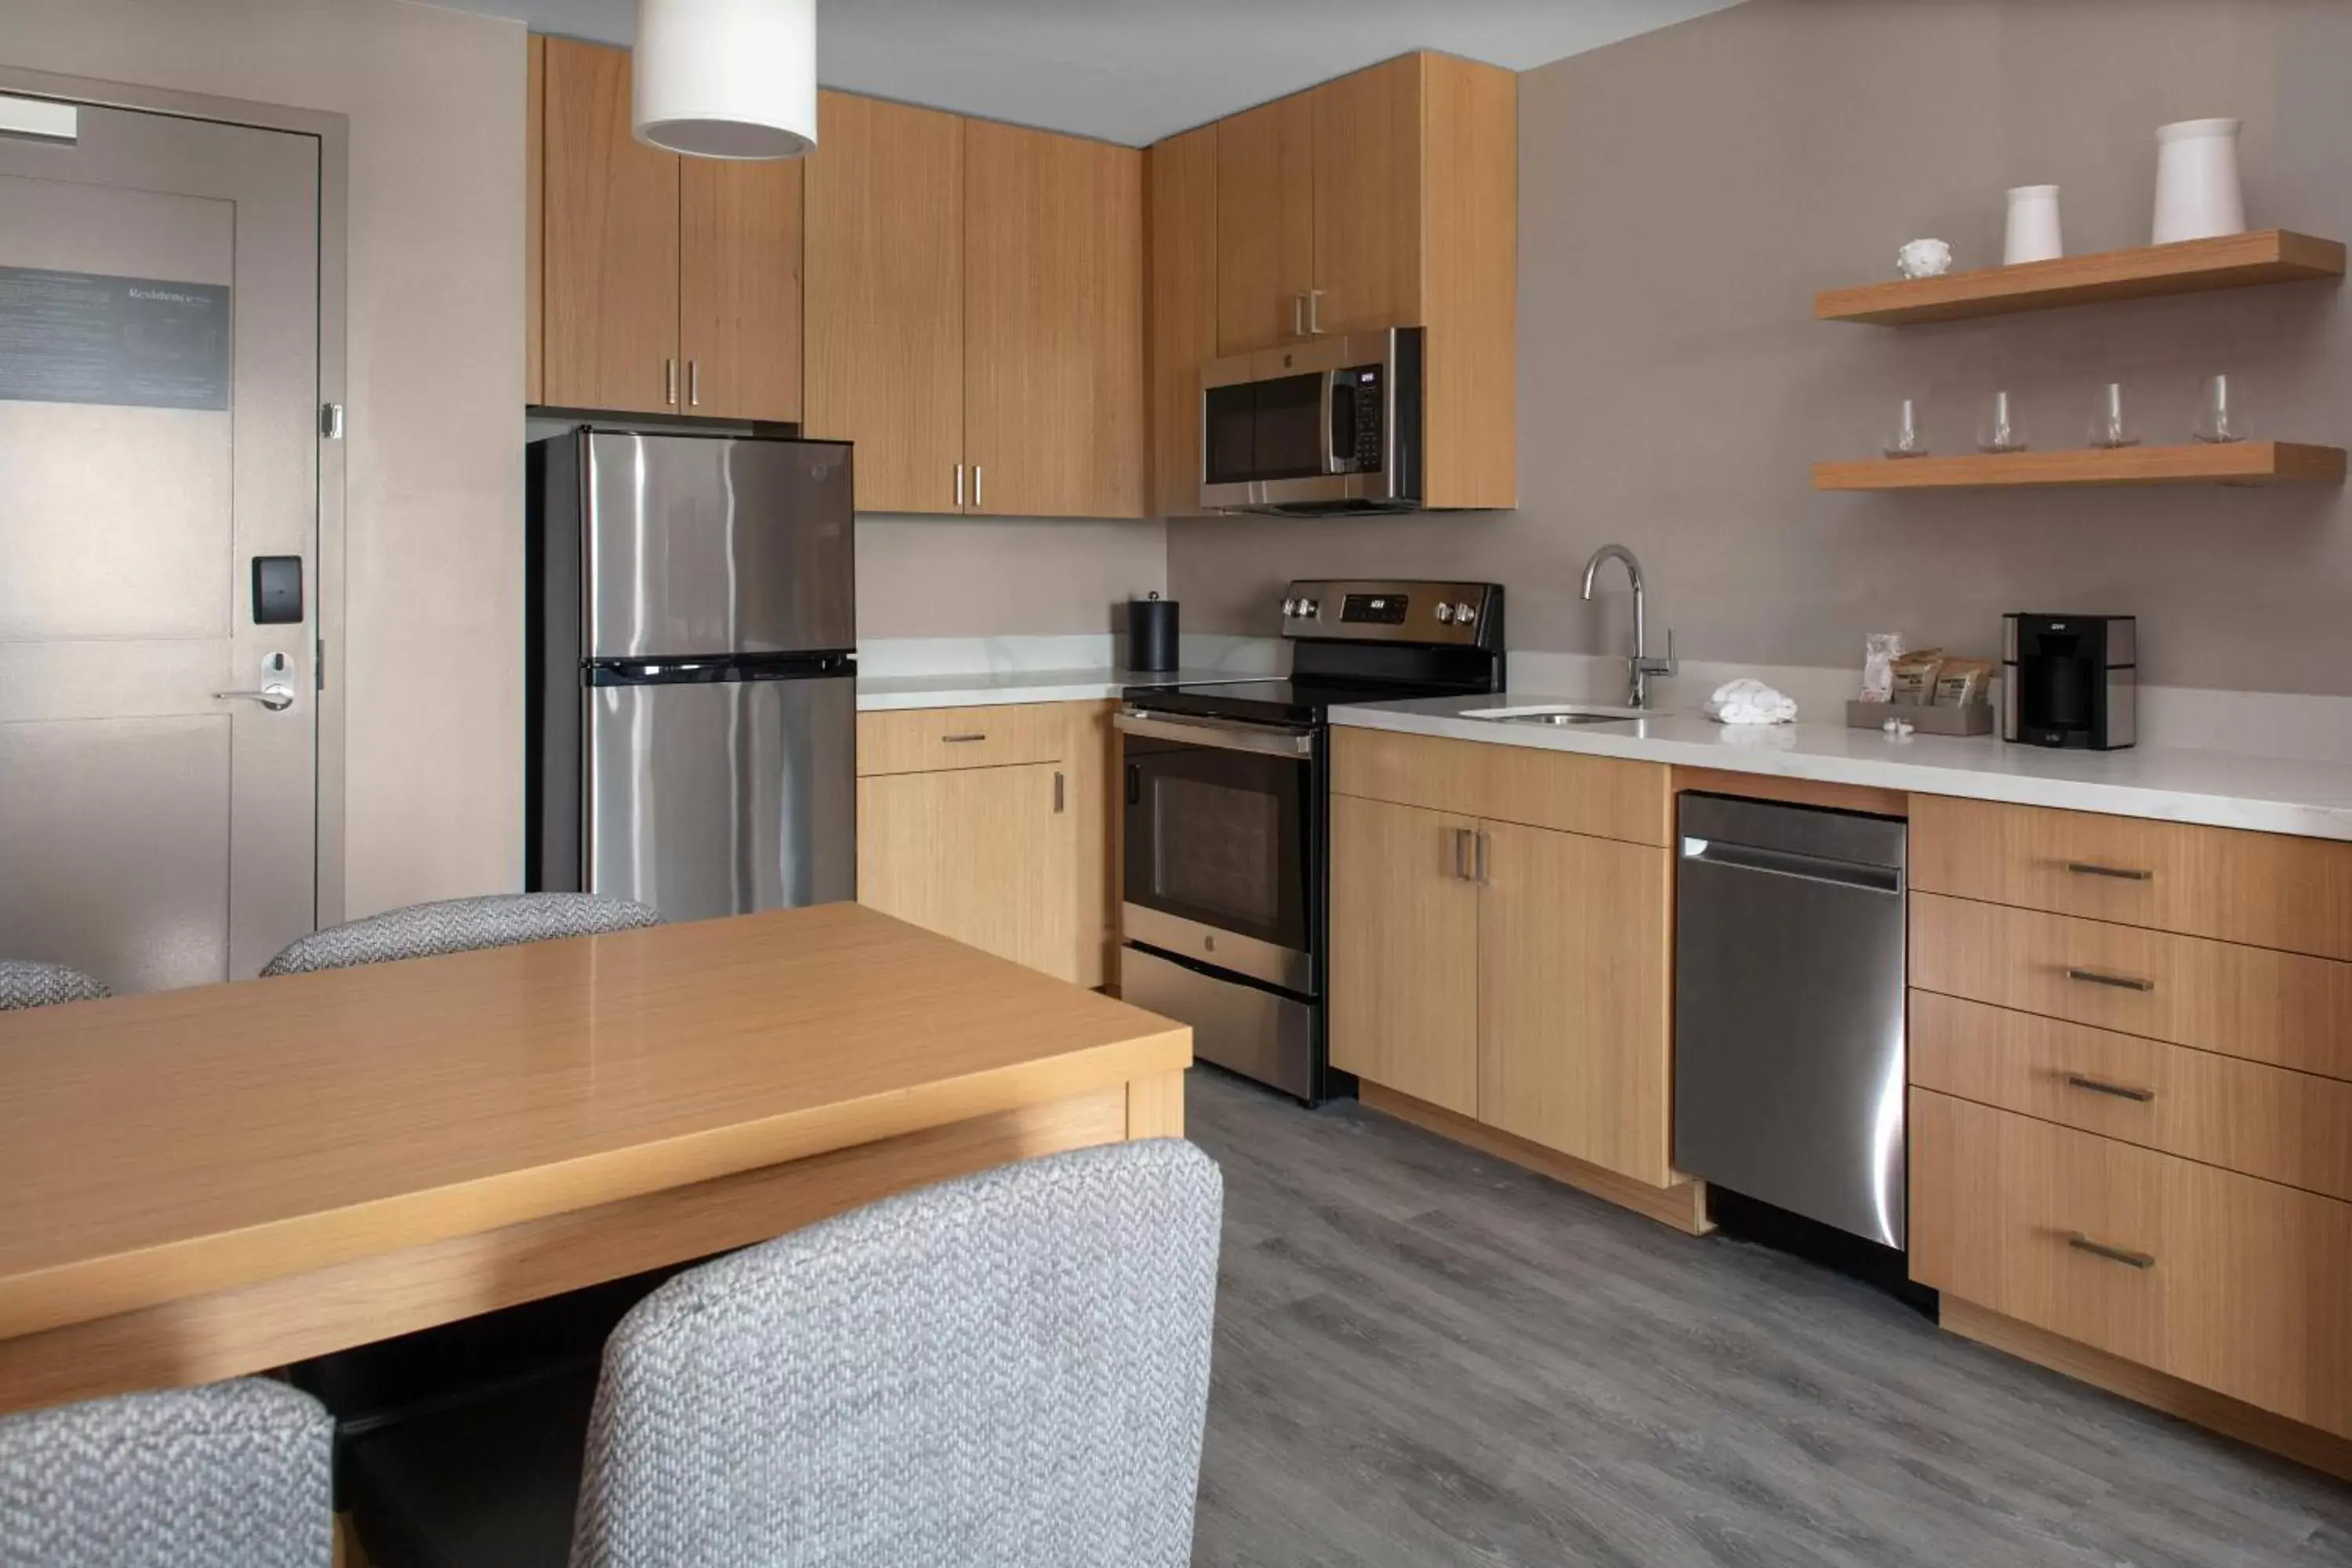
(977, 504)
(2120, 873)
(694, 384)
(1314, 312)
(670, 381)
(1462, 854)
(1481, 878)
(958, 486)
(2100, 1086)
(965, 740)
(1058, 792)
(2119, 982)
(2140, 1261)
(1298, 315)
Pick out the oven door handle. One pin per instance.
(1262, 739)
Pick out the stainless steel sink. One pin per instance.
(1562, 713)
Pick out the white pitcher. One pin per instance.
(2197, 193)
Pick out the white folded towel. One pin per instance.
(1751, 702)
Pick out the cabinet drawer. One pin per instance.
(2284, 1008)
(2232, 1283)
(926, 740)
(1601, 798)
(2260, 887)
(2286, 1127)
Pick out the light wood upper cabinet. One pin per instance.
(740, 287)
(1385, 199)
(658, 284)
(886, 298)
(610, 250)
(1575, 1032)
(1369, 214)
(1180, 196)
(1264, 226)
(1052, 367)
(1404, 950)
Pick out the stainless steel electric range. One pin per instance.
(1226, 839)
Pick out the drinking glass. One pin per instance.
(1997, 430)
(2220, 412)
(1905, 439)
(2108, 427)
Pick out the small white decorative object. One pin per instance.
(1923, 259)
(2197, 192)
(2033, 233)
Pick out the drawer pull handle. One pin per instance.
(2120, 982)
(2120, 873)
(2140, 1261)
(2100, 1086)
(962, 740)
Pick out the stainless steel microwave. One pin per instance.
(1329, 424)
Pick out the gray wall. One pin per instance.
(1684, 193)
(961, 577)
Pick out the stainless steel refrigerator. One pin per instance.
(693, 638)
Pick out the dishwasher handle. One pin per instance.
(1790, 863)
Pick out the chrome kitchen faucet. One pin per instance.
(1640, 667)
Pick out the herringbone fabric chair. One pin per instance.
(24, 983)
(460, 925)
(1009, 1371)
(230, 1476)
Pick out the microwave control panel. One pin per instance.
(1358, 402)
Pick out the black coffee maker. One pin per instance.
(2069, 680)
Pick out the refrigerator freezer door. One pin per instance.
(699, 545)
(721, 798)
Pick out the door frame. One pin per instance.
(332, 133)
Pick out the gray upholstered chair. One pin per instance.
(24, 983)
(233, 1475)
(460, 925)
(1008, 1370)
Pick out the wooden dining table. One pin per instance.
(204, 1183)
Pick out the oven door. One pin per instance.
(1220, 843)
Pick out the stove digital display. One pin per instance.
(1378, 609)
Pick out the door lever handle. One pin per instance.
(277, 696)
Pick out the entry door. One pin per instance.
(159, 366)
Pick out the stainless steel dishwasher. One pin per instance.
(1788, 977)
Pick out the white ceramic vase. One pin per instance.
(2033, 233)
(2197, 193)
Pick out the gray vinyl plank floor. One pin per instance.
(1424, 1355)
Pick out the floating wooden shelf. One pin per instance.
(2236, 463)
(2234, 261)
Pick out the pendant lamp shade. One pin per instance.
(727, 79)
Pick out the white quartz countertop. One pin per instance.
(2219, 789)
(981, 689)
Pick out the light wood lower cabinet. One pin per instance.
(1575, 1016)
(994, 825)
(1507, 970)
(1404, 950)
(982, 855)
(2234, 1284)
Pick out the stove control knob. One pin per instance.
(1308, 609)
(1463, 614)
(1445, 614)
(1289, 609)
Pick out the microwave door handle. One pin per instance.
(1333, 461)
